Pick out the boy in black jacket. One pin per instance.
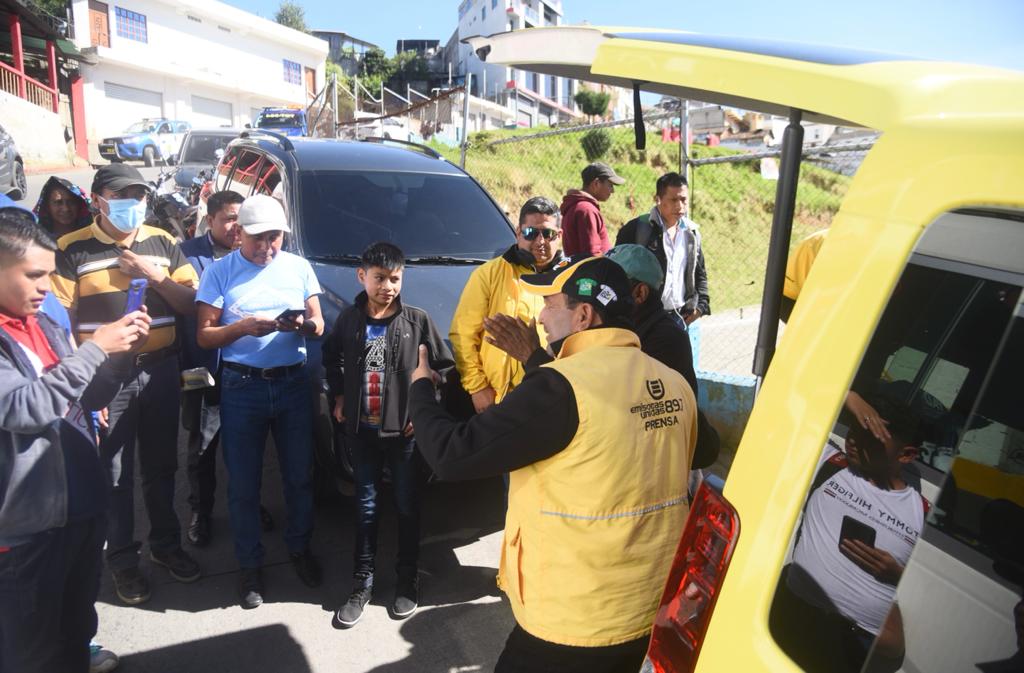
(369, 357)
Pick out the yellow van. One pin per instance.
(913, 304)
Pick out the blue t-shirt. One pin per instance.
(241, 289)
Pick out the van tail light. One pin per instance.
(698, 571)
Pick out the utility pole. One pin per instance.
(465, 120)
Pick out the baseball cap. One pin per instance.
(597, 281)
(260, 213)
(116, 177)
(639, 263)
(600, 170)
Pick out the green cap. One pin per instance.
(639, 263)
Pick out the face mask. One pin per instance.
(126, 215)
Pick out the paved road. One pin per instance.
(199, 627)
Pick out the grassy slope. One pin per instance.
(731, 202)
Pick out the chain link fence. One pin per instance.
(732, 194)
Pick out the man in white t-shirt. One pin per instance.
(860, 524)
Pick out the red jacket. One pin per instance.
(583, 229)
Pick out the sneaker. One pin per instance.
(101, 660)
(131, 586)
(349, 614)
(250, 588)
(181, 566)
(307, 568)
(198, 533)
(407, 597)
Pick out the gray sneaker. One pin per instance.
(407, 597)
(349, 614)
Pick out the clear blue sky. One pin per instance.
(977, 31)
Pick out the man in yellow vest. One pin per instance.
(599, 444)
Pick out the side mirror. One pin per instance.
(248, 126)
(172, 160)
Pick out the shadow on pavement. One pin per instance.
(458, 646)
(248, 650)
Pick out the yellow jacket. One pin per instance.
(800, 263)
(492, 288)
(591, 531)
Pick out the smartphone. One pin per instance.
(857, 530)
(136, 295)
(290, 314)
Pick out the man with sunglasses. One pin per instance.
(487, 372)
(95, 265)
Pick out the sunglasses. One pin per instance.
(531, 233)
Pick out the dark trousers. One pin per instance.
(202, 421)
(48, 589)
(251, 408)
(524, 653)
(370, 453)
(143, 416)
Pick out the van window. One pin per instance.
(246, 170)
(908, 553)
(267, 178)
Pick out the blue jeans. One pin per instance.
(251, 406)
(369, 454)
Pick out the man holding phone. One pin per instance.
(861, 522)
(95, 267)
(258, 304)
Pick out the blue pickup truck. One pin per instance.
(286, 120)
(149, 140)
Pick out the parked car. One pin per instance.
(289, 121)
(915, 296)
(149, 141)
(389, 128)
(340, 196)
(12, 168)
(200, 151)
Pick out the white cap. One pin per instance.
(260, 213)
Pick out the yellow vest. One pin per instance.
(590, 532)
(800, 263)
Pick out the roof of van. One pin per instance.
(831, 85)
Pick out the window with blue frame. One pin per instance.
(131, 25)
(292, 72)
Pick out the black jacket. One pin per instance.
(344, 351)
(697, 276)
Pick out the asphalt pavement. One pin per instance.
(461, 625)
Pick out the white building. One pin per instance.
(200, 61)
(533, 98)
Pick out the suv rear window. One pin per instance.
(424, 214)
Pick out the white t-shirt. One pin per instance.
(896, 517)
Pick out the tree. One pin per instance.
(57, 8)
(593, 103)
(292, 14)
(377, 64)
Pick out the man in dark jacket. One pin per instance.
(675, 241)
(369, 358)
(53, 486)
(583, 230)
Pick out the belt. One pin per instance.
(268, 373)
(147, 360)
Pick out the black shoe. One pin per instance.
(198, 533)
(307, 568)
(407, 597)
(131, 586)
(250, 588)
(349, 614)
(266, 521)
(181, 566)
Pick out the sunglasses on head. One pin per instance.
(531, 233)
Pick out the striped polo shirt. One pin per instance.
(89, 279)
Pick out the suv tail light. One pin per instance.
(698, 570)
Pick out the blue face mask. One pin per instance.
(126, 215)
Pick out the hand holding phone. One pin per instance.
(290, 314)
(852, 529)
(136, 295)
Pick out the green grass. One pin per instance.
(731, 202)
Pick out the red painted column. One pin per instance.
(51, 58)
(78, 116)
(14, 21)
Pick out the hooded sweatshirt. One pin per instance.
(82, 219)
(583, 231)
